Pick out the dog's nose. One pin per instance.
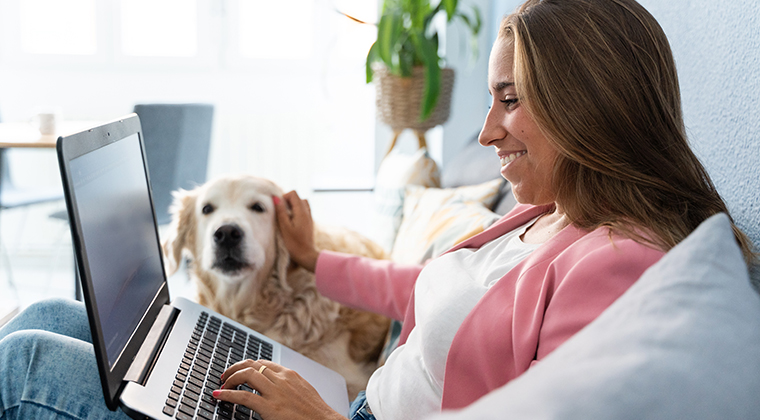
(228, 236)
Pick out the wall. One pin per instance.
(716, 45)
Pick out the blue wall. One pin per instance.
(716, 45)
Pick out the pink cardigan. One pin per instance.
(561, 287)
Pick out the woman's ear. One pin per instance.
(182, 229)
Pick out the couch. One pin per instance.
(682, 343)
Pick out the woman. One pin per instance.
(587, 123)
(586, 120)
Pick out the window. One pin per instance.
(58, 27)
(159, 28)
(286, 76)
(275, 29)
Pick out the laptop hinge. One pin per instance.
(146, 358)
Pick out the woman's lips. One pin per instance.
(509, 158)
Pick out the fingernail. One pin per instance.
(216, 393)
(276, 200)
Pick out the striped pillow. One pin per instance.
(435, 219)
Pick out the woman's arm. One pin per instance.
(378, 286)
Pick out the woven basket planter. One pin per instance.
(399, 99)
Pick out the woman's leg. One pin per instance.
(47, 365)
(60, 316)
(44, 375)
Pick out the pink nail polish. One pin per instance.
(216, 393)
(276, 200)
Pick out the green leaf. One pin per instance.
(371, 58)
(429, 56)
(451, 8)
(387, 36)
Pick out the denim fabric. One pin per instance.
(47, 365)
(360, 409)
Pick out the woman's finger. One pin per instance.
(238, 366)
(246, 398)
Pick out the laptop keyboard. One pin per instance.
(213, 347)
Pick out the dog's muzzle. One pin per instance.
(228, 255)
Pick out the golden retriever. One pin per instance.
(227, 228)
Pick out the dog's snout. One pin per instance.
(228, 236)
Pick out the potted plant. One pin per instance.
(413, 90)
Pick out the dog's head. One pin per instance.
(228, 227)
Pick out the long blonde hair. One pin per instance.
(599, 78)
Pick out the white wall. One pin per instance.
(717, 50)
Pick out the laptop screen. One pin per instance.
(119, 236)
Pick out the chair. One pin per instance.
(177, 140)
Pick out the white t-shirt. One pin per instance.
(410, 384)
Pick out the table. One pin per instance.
(25, 135)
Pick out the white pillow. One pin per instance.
(682, 343)
(396, 172)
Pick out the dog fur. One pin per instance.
(227, 229)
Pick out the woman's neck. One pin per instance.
(546, 226)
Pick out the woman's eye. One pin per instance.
(258, 208)
(208, 208)
(509, 102)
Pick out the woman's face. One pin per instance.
(527, 157)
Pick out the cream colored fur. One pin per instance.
(268, 293)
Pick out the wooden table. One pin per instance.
(25, 135)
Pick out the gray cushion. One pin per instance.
(476, 164)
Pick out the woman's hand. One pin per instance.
(297, 229)
(284, 393)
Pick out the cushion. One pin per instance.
(473, 164)
(682, 343)
(435, 219)
(397, 171)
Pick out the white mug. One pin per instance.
(46, 122)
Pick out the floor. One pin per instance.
(37, 260)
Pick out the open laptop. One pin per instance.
(156, 358)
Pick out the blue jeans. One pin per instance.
(47, 365)
(360, 409)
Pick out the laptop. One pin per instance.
(156, 358)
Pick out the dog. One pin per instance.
(227, 230)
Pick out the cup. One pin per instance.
(46, 122)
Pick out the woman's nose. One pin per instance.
(492, 129)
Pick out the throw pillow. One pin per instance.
(435, 219)
(396, 172)
(682, 343)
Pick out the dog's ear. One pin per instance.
(281, 262)
(181, 232)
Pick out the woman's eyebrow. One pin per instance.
(502, 85)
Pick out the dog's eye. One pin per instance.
(257, 207)
(208, 208)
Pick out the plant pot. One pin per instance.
(399, 99)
